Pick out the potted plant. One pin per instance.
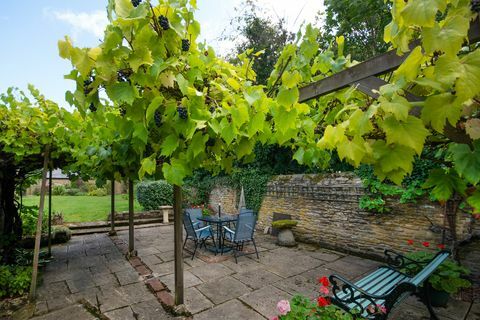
(447, 279)
(300, 307)
(285, 235)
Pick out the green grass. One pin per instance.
(82, 208)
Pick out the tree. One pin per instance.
(28, 127)
(360, 22)
(259, 34)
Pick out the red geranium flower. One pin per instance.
(324, 281)
(441, 246)
(410, 242)
(426, 244)
(323, 302)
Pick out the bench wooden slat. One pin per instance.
(429, 268)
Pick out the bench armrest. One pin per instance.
(348, 288)
(399, 261)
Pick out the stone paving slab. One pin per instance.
(74, 312)
(264, 300)
(210, 272)
(231, 310)
(257, 278)
(223, 289)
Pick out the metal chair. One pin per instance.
(196, 213)
(247, 211)
(244, 230)
(198, 235)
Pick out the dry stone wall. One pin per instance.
(328, 214)
(227, 197)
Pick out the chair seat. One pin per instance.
(204, 232)
(380, 282)
(229, 233)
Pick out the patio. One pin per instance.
(91, 279)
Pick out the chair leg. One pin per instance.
(215, 245)
(255, 246)
(195, 250)
(185, 242)
(427, 301)
(235, 253)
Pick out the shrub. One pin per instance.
(14, 280)
(59, 190)
(98, 192)
(61, 234)
(284, 224)
(72, 192)
(153, 194)
(29, 215)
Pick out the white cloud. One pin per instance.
(93, 22)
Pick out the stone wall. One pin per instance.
(226, 196)
(326, 208)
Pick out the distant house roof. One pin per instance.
(58, 174)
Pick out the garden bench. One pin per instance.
(376, 294)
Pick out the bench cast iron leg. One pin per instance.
(427, 301)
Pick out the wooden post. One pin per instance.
(112, 209)
(38, 235)
(131, 238)
(50, 213)
(178, 243)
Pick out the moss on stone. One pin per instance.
(284, 224)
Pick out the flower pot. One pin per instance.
(439, 298)
(286, 238)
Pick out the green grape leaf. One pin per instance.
(440, 108)
(448, 37)
(422, 12)
(239, 114)
(197, 145)
(352, 150)
(359, 123)
(287, 97)
(298, 155)
(123, 8)
(252, 94)
(466, 161)
(291, 79)
(228, 131)
(411, 133)
(444, 184)
(410, 67)
(121, 92)
(391, 158)
(256, 124)
(474, 201)
(182, 84)
(141, 56)
(332, 137)
(464, 73)
(169, 145)
(174, 172)
(148, 165)
(398, 106)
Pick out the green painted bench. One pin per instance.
(376, 294)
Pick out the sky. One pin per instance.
(30, 30)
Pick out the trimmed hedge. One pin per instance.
(153, 194)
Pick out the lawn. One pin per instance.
(83, 208)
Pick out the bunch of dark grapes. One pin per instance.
(124, 75)
(163, 21)
(212, 109)
(185, 45)
(123, 111)
(475, 5)
(92, 107)
(182, 112)
(210, 142)
(136, 2)
(158, 118)
(87, 83)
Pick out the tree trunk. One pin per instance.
(112, 209)
(178, 243)
(38, 235)
(131, 228)
(12, 223)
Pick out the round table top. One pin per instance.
(217, 219)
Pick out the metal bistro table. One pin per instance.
(219, 222)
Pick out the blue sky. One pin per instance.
(30, 30)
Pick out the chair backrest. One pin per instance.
(194, 213)
(247, 211)
(245, 227)
(188, 225)
(430, 268)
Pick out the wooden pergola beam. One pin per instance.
(364, 72)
